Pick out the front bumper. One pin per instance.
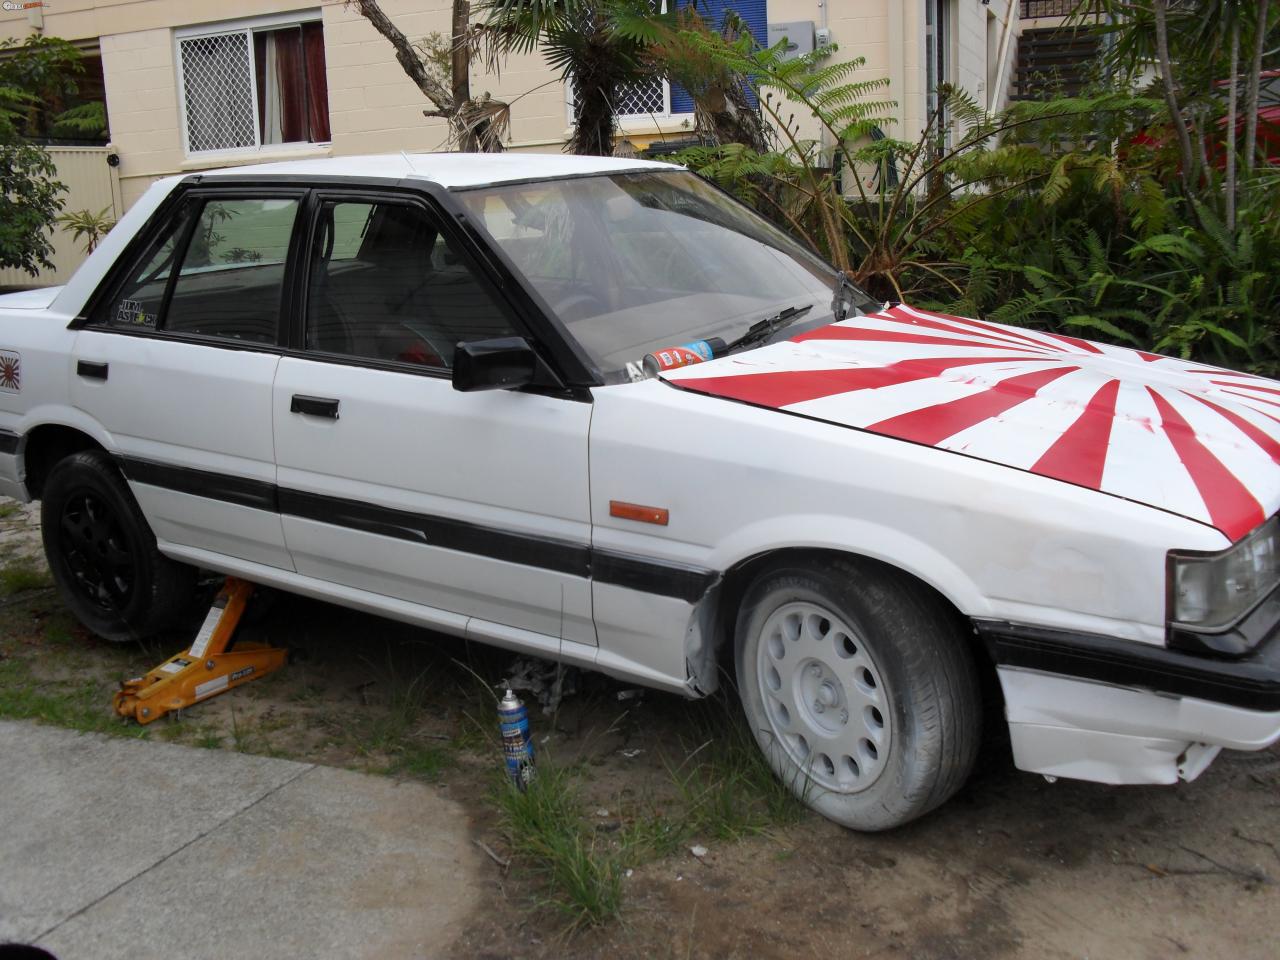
(1251, 682)
(1115, 711)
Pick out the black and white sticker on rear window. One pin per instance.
(133, 313)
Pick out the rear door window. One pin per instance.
(232, 276)
(217, 269)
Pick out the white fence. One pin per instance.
(92, 184)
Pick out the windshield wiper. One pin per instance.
(764, 329)
(842, 298)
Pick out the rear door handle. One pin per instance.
(90, 370)
(314, 406)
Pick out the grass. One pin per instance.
(22, 576)
(421, 761)
(392, 730)
(58, 630)
(724, 790)
(75, 704)
(9, 509)
(581, 873)
(387, 730)
(726, 787)
(209, 739)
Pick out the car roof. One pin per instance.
(449, 170)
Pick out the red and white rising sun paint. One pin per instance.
(1199, 441)
(10, 371)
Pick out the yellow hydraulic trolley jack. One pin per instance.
(209, 667)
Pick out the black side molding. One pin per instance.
(651, 576)
(657, 577)
(9, 441)
(91, 370)
(1251, 682)
(202, 483)
(444, 532)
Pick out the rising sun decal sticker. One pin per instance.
(10, 371)
(1200, 441)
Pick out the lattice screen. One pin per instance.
(217, 80)
(637, 99)
(647, 97)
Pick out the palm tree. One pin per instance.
(586, 41)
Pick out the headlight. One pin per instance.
(1211, 592)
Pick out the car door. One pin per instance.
(392, 482)
(177, 362)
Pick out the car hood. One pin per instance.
(1195, 440)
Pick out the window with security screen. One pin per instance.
(649, 98)
(656, 98)
(251, 85)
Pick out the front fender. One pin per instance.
(845, 534)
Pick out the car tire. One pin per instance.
(103, 555)
(860, 687)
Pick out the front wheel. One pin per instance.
(103, 555)
(860, 688)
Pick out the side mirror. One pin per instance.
(501, 364)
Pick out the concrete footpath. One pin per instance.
(127, 848)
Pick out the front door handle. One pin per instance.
(314, 406)
(90, 370)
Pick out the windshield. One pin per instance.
(634, 263)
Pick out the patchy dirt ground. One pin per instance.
(1012, 867)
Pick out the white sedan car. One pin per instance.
(595, 410)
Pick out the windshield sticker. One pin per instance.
(10, 371)
(133, 313)
(671, 358)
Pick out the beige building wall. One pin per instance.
(375, 108)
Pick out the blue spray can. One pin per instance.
(517, 745)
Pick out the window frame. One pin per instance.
(632, 122)
(629, 122)
(248, 27)
(296, 336)
(95, 318)
(533, 314)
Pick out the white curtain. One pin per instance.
(272, 109)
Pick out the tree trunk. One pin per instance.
(1251, 98)
(722, 111)
(471, 124)
(595, 80)
(724, 115)
(1161, 10)
(1233, 100)
(460, 70)
(407, 57)
(593, 123)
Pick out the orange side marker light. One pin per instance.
(638, 511)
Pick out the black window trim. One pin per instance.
(566, 357)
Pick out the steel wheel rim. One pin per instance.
(96, 552)
(824, 697)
